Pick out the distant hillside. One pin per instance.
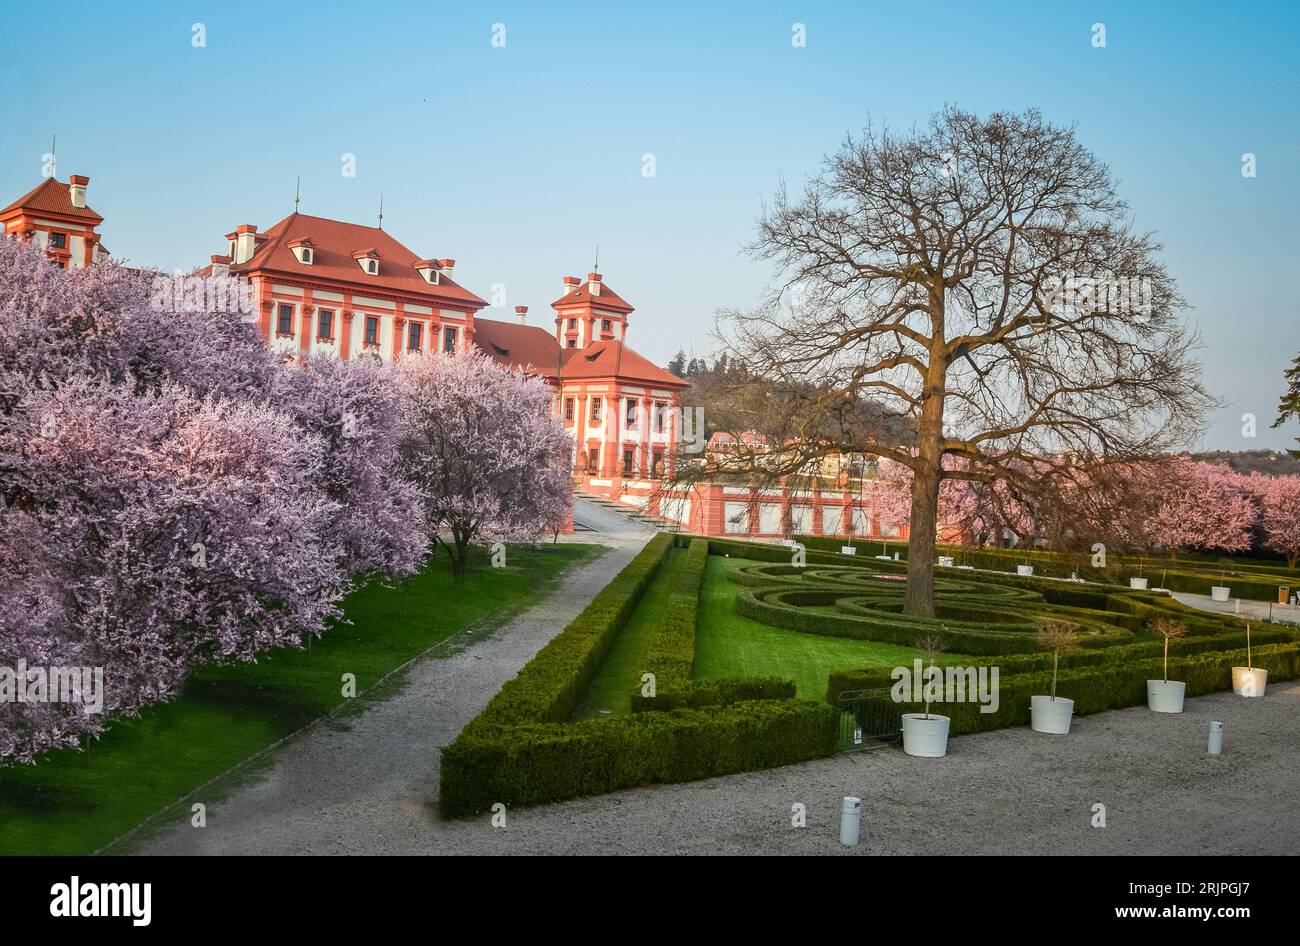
(1269, 462)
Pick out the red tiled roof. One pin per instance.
(335, 245)
(51, 196)
(615, 360)
(534, 347)
(512, 344)
(608, 298)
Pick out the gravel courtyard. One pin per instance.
(363, 781)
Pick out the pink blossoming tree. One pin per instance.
(483, 447)
(1199, 505)
(170, 493)
(1279, 513)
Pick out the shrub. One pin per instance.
(550, 685)
(670, 655)
(535, 763)
(721, 692)
(1111, 685)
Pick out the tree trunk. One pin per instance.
(919, 601)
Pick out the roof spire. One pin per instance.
(596, 266)
(54, 140)
(381, 211)
(297, 189)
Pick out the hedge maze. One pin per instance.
(525, 748)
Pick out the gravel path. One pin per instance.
(601, 518)
(1012, 791)
(1246, 610)
(362, 780)
(363, 783)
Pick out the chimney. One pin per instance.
(77, 190)
(221, 266)
(521, 314)
(245, 242)
(445, 266)
(593, 283)
(571, 284)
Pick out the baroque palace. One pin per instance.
(326, 286)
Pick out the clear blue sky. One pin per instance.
(517, 161)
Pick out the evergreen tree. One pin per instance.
(1289, 405)
(678, 365)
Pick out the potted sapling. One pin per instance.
(1166, 696)
(926, 734)
(1138, 581)
(1221, 592)
(1249, 680)
(1052, 713)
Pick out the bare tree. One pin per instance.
(978, 284)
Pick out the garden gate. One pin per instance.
(867, 722)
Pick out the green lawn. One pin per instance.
(728, 645)
(620, 673)
(75, 802)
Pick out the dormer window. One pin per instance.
(428, 269)
(303, 251)
(368, 260)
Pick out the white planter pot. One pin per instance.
(884, 558)
(1249, 682)
(1165, 696)
(1025, 570)
(848, 550)
(1139, 583)
(1050, 715)
(945, 561)
(927, 738)
(1220, 593)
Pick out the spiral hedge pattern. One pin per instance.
(984, 615)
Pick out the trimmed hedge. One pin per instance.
(1109, 686)
(550, 685)
(770, 606)
(721, 692)
(522, 750)
(670, 655)
(1077, 659)
(1251, 582)
(535, 763)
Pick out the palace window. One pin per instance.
(631, 412)
(573, 343)
(58, 241)
(325, 328)
(661, 413)
(372, 267)
(568, 408)
(593, 460)
(595, 410)
(284, 324)
(306, 255)
(573, 323)
(605, 325)
(449, 338)
(628, 458)
(371, 336)
(414, 335)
